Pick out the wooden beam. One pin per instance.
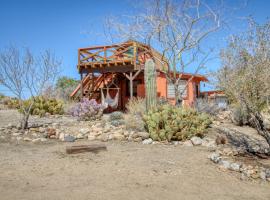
(85, 148)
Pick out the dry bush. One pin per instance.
(134, 116)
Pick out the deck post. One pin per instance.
(81, 85)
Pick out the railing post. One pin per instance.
(135, 55)
(105, 55)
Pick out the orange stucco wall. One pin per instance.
(161, 90)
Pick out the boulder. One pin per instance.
(196, 140)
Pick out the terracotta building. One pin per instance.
(115, 73)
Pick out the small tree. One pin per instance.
(245, 71)
(176, 29)
(26, 75)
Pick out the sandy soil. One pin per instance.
(124, 171)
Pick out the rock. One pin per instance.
(147, 141)
(235, 167)
(50, 132)
(79, 136)
(187, 143)
(215, 157)
(209, 144)
(196, 140)
(84, 131)
(42, 130)
(91, 137)
(62, 136)
(143, 135)
(27, 139)
(267, 173)
(263, 175)
(39, 140)
(9, 125)
(17, 134)
(126, 133)
(35, 129)
(225, 164)
(254, 144)
(138, 139)
(118, 136)
(104, 137)
(69, 138)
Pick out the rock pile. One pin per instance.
(247, 171)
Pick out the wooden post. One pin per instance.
(130, 77)
(81, 85)
(131, 85)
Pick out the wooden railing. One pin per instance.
(125, 53)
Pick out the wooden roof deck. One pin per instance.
(123, 57)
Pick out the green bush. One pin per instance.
(168, 122)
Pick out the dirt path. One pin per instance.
(125, 171)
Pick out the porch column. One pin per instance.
(130, 77)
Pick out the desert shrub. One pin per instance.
(11, 103)
(116, 118)
(134, 116)
(87, 110)
(239, 116)
(42, 105)
(211, 108)
(168, 122)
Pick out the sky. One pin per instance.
(63, 26)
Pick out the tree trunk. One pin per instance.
(24, 122)
(178, 97)
(256, 122)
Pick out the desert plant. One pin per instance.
(87, 110)
(169, 122)
(116, 118)
(134, 116)
(150, 84)
(244, 76)
(239, 116)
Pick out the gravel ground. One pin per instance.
(125, 171)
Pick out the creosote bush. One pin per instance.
(136, 108)
(169, 122)
(87, 110)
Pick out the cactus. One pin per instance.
(167, 122)
(150, 84)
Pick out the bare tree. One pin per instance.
(176, 29)
(27, 76)
(244, 75)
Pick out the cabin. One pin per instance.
(115, 73)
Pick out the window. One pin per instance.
(182, 89)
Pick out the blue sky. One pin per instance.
(64, 25)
